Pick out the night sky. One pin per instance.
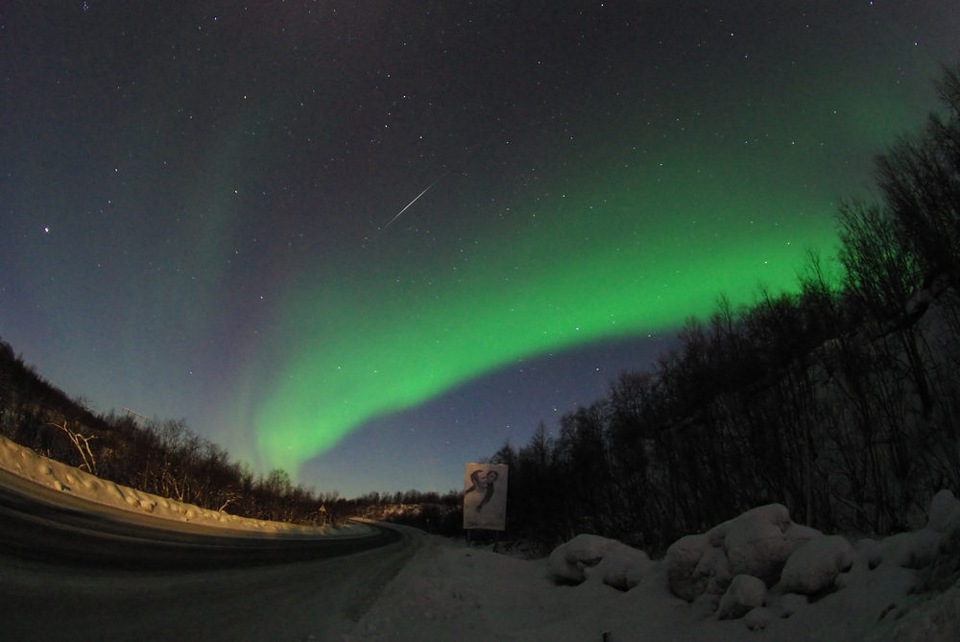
(369, 242)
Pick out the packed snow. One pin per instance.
(757, 576)
(75, 483)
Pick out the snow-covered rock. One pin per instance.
(745, 593)
(615, 563)
(815, 565)
(786, 604)
(623, 567)
(915, 549)
(869, 550)
(759, 618)
(686, 577)
(715, 566)
(757, 543)
(944, 518)
(944, 512)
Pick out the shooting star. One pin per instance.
(408, 205)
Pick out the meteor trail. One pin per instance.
(409, 204)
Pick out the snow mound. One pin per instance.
(615, 563)
(944, 518)
(745, 593)
(691, 562)
(935, 621)
(623, 567)
(759, 541)
(728, 570)
(869, 550)
(814, 566)
(915, 549)
(756, 543)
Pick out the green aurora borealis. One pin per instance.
(616, 244)
(724, 196)
(195, 200)
(590, 265)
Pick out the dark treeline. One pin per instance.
(166, 458)
(840, 400)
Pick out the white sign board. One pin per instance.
(485, 496)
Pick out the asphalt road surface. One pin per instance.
(68, 572)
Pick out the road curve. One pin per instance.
(38, 526)
(69, 573)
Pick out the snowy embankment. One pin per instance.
(758, 576)
(73, 483)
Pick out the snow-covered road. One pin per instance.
(85, 559)
(903, 588)
(317, 600)
(65, 574)
(48, 526)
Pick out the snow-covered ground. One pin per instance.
(757, 577)
(74, 484)
(451, 592)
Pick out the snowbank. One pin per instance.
(813, 568)
(757, 543)
(761, 566)
(73, 482)
(613, 562)
(817, 587)
(762, 571)
(758, 571)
